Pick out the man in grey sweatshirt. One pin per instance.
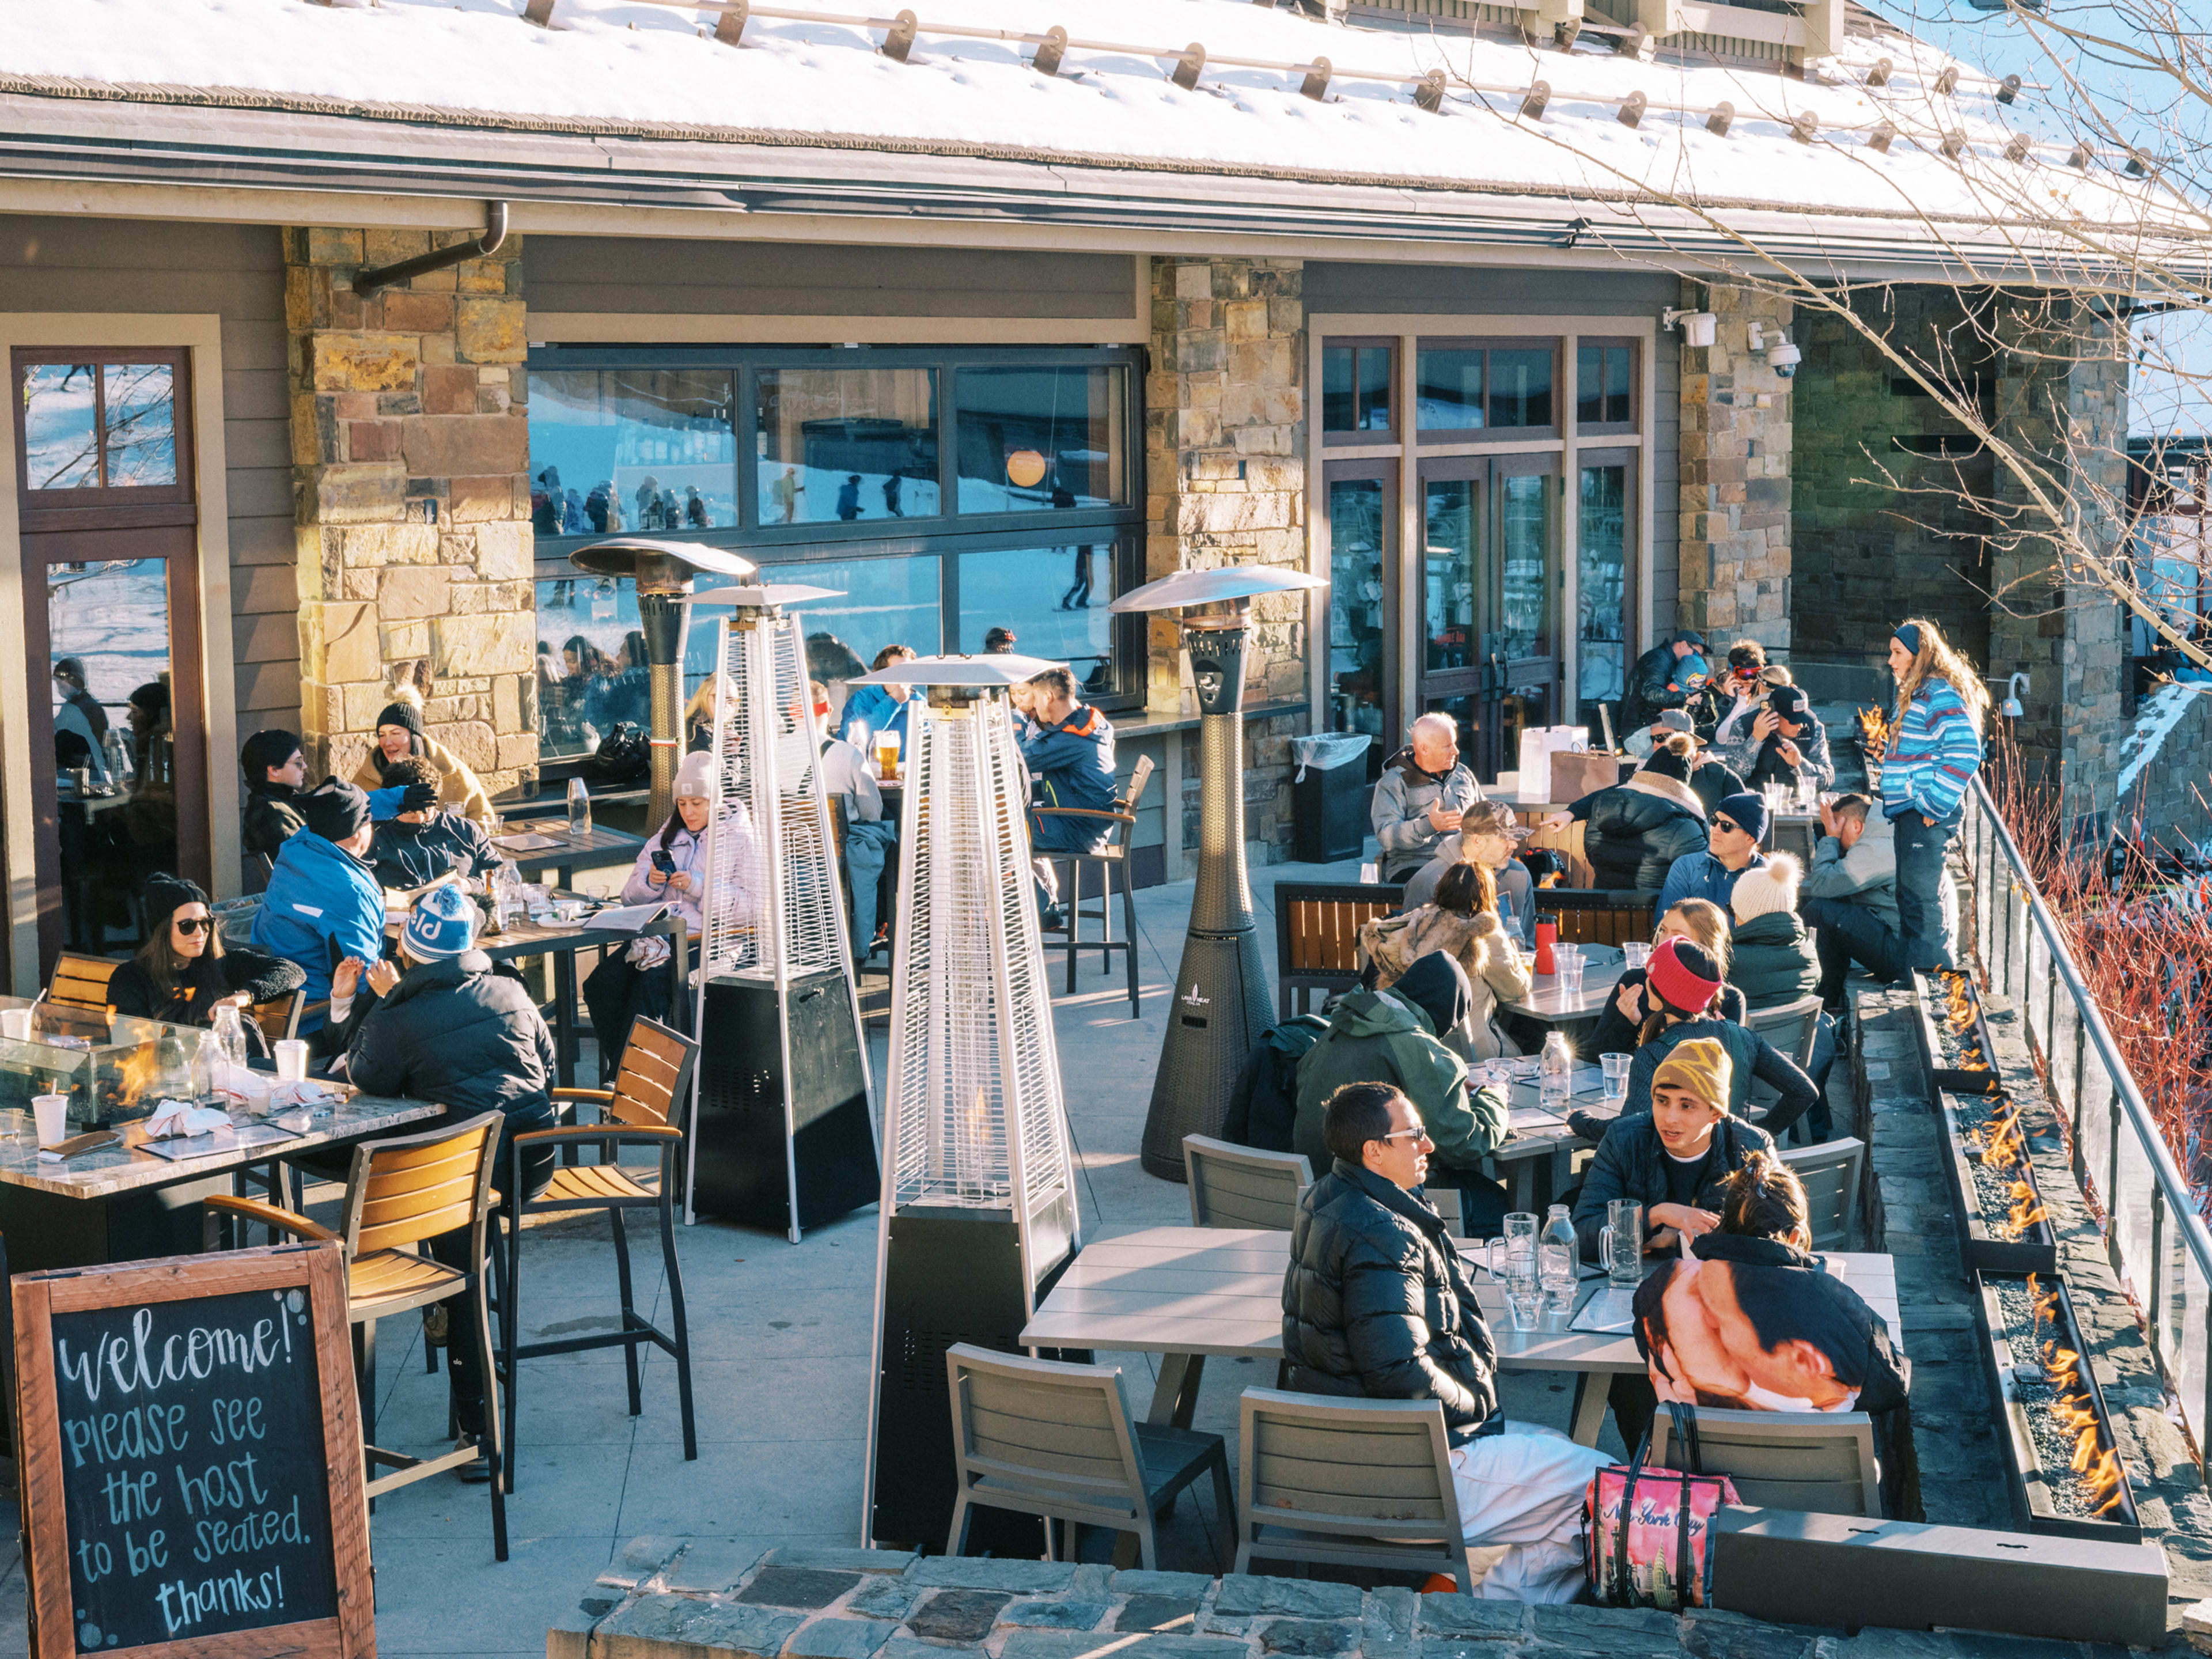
(1849, 896)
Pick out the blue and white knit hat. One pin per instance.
(442, 924)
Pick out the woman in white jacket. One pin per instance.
(1462, 920)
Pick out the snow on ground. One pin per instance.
(619, 61)
(2155, 720)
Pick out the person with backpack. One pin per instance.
(1263, 1107)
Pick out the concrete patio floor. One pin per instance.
(780, 1341)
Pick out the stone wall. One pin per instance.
(411, 449)
(1225, 445)
(1736, 483)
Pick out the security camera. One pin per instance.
(1783, 358)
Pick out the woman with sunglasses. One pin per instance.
(182, 973)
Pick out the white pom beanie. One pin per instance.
(695, 778)
(1761, 892)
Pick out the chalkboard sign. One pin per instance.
(191, 1457)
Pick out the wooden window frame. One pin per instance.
(1505, 437)
(104, 506)
(1363, 435)
(1632, 426)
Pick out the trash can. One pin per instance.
(1328, 796)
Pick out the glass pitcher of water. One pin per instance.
(1620, 1243)
(1511, 1258)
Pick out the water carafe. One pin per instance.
(1557, 1259)
(580, 809)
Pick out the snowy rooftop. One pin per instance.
(1795, 148)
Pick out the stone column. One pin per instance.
(1734, 577)
(410, 451)
(1225, 443)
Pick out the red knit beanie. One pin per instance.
(1684, 975)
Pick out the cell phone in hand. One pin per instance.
(663, 862)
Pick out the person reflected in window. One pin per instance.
(880, 708)
(1078, 596)
(894, 487)
(80, 713)
(848, 498)
(1000, 641)
(784, 493)
(695, 508)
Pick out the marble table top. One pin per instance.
(124, 1167)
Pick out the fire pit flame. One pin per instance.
(1961, 1016)
(2026, 1211)
(2098, 1466)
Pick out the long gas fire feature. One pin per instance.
(2062, 1463)
(1998, 1203)
(1955, 1035)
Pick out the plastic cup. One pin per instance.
(52, 1112)
(291, 1060)
(15, 1025)
(1616, 1076)
(1524, 1304)
(1635, 954)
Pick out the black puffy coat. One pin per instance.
(1364, 1256)
(1771, 961)
(270, 818)
(1635, 831)
(1646, 693)
(456, 1033)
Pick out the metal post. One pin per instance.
(661, 619)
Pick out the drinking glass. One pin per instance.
(1616, 1076)
(1635, 954)
(1570, 962)
(1519, 1244)
(1524, 1303)
(887, 755)
(291, 1060)
(1620, 1243)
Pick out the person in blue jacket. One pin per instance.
(1934, 751)
(1733, 833)
(323, 905)
(880, 708)
(1068, 747)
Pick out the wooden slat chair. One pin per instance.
(1317, 937)
(1363, 1483)
(1823, 1462)
(1233, 1186)
(648, 1107)
(279, 1017)
(1830, 1173)
(1043, 1438)
(1598, 915)
(404, 1193)
(76, 1002)
(1113, 856)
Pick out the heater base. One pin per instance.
(1220, 1007)
(742, 1173)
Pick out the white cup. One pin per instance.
(52, 1114)
(15, 1025)
(291, 1060)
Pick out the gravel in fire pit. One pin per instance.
(1962, 1051)
(2045, 1407)
(1975, 1115)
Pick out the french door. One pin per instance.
(1489, 648)
(1363, 602)
(112, 636)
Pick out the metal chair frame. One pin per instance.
(1109, 857)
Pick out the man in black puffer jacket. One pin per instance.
(1634, 831)
(1377, 1306)
(451, 1030)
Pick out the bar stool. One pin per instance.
(1111, 856)
(649, 1106)
(402, 1194)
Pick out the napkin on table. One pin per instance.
(180, 1117)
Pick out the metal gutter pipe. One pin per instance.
(368, 281)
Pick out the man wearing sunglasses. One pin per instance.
(1737, 826)
(1378, 1305)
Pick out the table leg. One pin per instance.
(1524, 1185)
(679, 975)
(1591, 1389)
(564, 1015)
(1176, 1397)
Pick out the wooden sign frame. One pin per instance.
(318, 1269)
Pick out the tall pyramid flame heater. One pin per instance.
(1221, 1003)
(663, 571)
(978, 1196)
(782, 1133)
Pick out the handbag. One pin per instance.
(1576, 773)
(1645, 1531)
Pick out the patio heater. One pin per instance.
(978, 1211)
(781, 1133)
(1221, 1003)
(663, 571)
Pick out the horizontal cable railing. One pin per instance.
(2155, 1236)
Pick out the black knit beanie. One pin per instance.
(402, 713)
(334, 810)
(165, 895)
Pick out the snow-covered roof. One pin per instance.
(795, 91)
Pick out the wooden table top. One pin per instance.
(124, 1167)
(1219, 1291)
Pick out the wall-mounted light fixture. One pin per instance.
(1697, 326)
(2016, 688)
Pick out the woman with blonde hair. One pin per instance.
(1703, 924)
(1463, 922)
(1929, 763)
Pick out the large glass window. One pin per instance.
(1358, 606)
(1601, 586)
(1052, 600)
(841, 445)
(1034, 440)
(1467, 387)
(1356, 388)
(631, 449)
(1521, 386)
(99, 425)
(1605, 388)
(1452, 577)
(1450, 395)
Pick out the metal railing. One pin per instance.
(2153, 1234)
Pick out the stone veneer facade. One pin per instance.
(410, 451)
(1225, 467)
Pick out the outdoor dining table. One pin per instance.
(597, 849)
(1188, 1293)
(1550, 1003)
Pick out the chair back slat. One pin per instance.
(1043, 1425)
(1822, 1461)
(81, 981)
(1233, 1186)
(653, 1087)
(1345, 1466)
(1141, 776)
(408, 1190)
(1830, 1173)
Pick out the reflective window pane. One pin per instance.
(1601, 585)
(632, 449)
(139, 401)
(843, 445)
(1451, 521)
(1374, 401)
(1603, 383)
(1356, 391)
(881, 601)
(1031, 439)
(1051, 598)
(61, 426)
(1525, 531)
(114, 741)
(1521, 386)
(1449, 397)
(1339, 408)
(592, 673)
(1356, 527)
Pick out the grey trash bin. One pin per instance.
(1328, 796)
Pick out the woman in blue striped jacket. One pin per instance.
(1934, 750)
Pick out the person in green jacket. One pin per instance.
(1393, 1036)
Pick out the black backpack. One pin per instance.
(1264, 1108)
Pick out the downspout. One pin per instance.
(368, 281)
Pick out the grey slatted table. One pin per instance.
(1186, 1293)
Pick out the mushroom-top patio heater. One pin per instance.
(782, 1131)
(978, 1194)
(1220, 1002)
(663, 571)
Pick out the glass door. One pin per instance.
(1604, 574)
(111, 624)
(1363, 600)
(1457, 678)
(1525, 489)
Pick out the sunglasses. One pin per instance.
(1728, 824)
(1417, 1133)
(192, 924)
